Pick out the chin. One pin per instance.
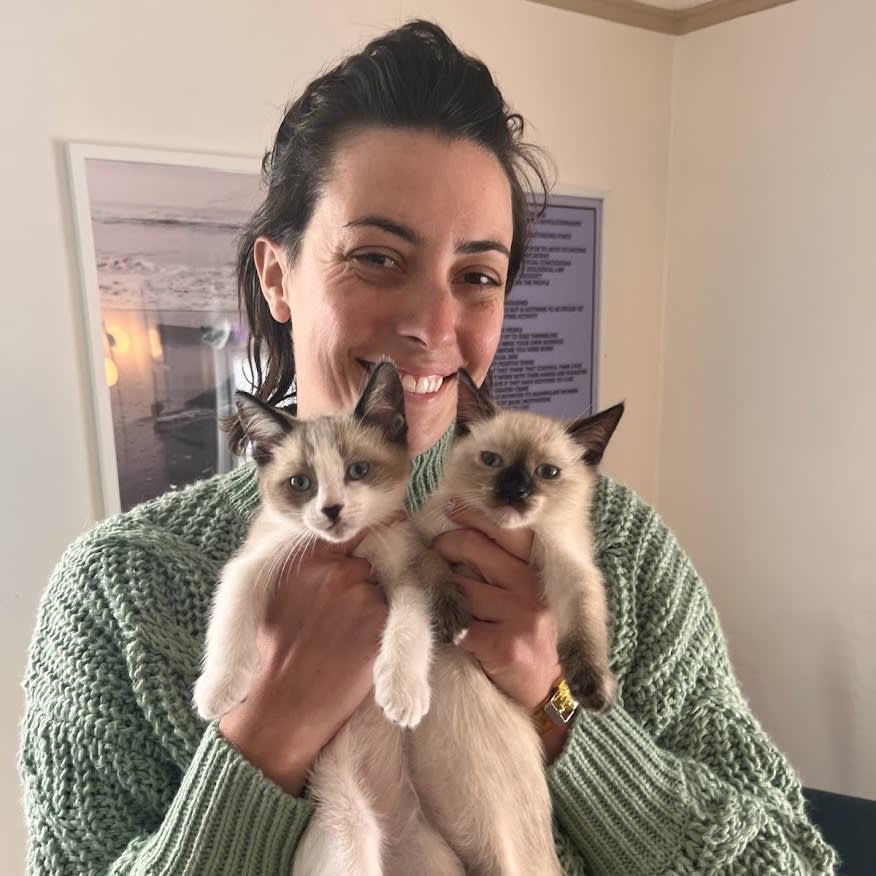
(336, 534)
(512, 518)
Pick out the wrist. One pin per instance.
(553, 719)
(553, 741)
(283, 749)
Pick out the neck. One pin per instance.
(426, 470)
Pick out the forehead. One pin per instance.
(434, 184)
(518, 432)
(331, 440)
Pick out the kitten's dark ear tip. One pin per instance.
(472, 403)
(383, 401)
(243, 398)
(385, 367)
(462, 374)
(265, 426)
(593, 433)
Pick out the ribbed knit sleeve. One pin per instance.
(679, 778)
(120, 774)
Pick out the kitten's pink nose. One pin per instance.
(332, 512)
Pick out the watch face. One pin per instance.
(562, 705)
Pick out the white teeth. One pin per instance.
(421, 385)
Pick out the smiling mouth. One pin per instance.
(428, 385)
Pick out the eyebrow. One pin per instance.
(466, 247)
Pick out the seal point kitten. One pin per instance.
(521, 470)
(476, 759)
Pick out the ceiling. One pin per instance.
(666, 16)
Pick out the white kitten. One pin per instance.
(330, 478)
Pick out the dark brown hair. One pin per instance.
(411, 77)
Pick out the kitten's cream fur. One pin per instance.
(368, 821)
(476, 759)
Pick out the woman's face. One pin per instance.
(405, 256)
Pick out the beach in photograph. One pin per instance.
(165, 240)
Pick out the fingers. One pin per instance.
(484, 642)
(484, 601)
(515, 541)
(326, 559)
(476, 638)
(347, 547)
(493, 563)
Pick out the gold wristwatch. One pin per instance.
(558, 708)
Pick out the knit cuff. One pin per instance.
(619, 797)
(227, 818)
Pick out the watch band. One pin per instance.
(557, 709)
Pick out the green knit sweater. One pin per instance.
(121, 776)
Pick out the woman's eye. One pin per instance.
(357, 471)
(493, 460)
(300, 482)
(378, 259)
(547, 471)
(477, 278)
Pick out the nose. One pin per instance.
(332, 511)
(514, 485)
(431, 317)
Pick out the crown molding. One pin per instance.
(671, 21)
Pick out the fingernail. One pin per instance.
(451, 506)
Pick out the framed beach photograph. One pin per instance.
(157, 242)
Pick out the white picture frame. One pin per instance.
(194, 187)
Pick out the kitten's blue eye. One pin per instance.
(300, 482)
(357, 471)
(547, 471)
(493, 460)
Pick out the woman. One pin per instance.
(394, 223)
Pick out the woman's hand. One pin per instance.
(513, 634)
(317, 649)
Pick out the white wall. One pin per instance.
(214, 78)
(767, 468)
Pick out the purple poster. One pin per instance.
(547, 355)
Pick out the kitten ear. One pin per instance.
(265, 426)
(383, 403)
(472, 404)
(593, 433)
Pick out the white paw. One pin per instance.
(216, 695)
(402, 692)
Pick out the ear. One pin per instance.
(382, 403)
(265, 426)
(593, 433)
(271, 266)
(472, 404)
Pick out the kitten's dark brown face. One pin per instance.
(333, 476)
